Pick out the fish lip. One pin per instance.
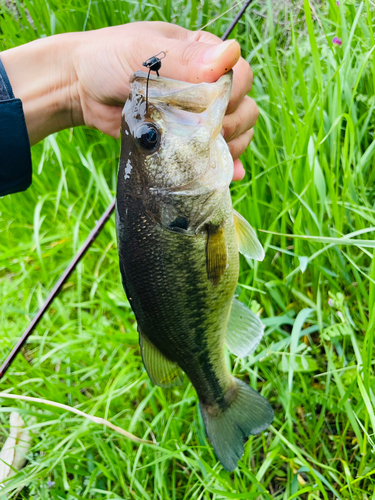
(193, 97)
(143, 74)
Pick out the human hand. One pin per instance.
(106, 58)
(83, 78)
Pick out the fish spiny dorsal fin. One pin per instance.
(248, 242)
(216, 253)
(245, 330)
(161, 371)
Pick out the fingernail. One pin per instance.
(213, 53)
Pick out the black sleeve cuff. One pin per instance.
(15, 155)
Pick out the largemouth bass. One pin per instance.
(179, 239)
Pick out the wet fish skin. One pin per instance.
(153, 281)
(179, 252)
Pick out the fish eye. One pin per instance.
(148, 137)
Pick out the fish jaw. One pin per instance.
(193, 97)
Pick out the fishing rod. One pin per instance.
(87, 244)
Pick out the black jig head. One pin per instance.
(153, 64)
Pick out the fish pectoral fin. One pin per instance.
(216, 253)
(248, 242)
(245, 330)
(160, 369)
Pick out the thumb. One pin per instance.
(195, 62)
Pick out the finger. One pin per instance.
(239, 145)
(190, 56)
(242, 77)
(243, 119)
(196, 62)
(239, 171)
(107, 119)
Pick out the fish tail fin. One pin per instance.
(248, 413)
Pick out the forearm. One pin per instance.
(42, 75)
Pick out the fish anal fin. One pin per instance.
(248, 242)
(216, 253)
(245, 330)
(161, 370)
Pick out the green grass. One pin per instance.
(310, 172)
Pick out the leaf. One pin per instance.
(96, 420)
(298, 364)
(303, 261)
(227, 494)
(297, 328)
(345, 240)
(15, 449)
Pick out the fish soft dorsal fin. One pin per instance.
(245, 330)
(160, 369)
(248, 242)
(216, 253)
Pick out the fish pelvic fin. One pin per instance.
(245, 330)
(248, 242)
(161, 370)
(247, 414)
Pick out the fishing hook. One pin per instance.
(153, 64)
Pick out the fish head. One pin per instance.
(174, 139)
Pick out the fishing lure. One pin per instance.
(152, 64)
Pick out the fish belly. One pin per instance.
(177, 308)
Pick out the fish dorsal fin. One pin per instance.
(161, 371)
(216, 253)
(248, 242)
(245, 330)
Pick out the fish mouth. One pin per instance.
(191, 97)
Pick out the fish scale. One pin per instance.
(152, 280)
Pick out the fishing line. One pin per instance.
(99, 226)
(221, 15)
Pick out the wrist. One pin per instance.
(42, 75)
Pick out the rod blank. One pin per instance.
(68, 271)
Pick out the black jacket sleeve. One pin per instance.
(15, 155)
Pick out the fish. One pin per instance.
(179, 240)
